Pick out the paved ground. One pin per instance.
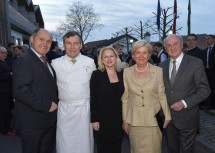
(205, 140)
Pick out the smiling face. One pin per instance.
(41, 41)
(141, 55)
(72, 46)
(174, 46)
(109, 59)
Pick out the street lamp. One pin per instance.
(170, 31)
(131, 41)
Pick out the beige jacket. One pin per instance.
(140, 103)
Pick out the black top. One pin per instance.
(196, 52)
(5, 79)
(106, 105)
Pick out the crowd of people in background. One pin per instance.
(69, 99)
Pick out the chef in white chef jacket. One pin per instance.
(74, 131)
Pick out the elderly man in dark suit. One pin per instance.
(35, 93)
(186, 85)
(6, 100)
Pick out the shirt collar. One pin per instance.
(76, 58)
(211, 46)
(179, 59)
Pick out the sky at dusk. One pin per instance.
(117, 14)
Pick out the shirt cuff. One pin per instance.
(185, 105)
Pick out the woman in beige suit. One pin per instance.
(143, 97)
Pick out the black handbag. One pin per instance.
(160, 119)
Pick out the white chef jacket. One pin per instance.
(74, 131)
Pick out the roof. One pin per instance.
(105, 42)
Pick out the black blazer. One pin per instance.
(5, 79)
(34, 89)
(106, 105)
(196, 52)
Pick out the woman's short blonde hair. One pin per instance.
(101, 65)
(141, 43)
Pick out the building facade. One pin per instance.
(18, 20)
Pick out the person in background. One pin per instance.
(192, 48)
(17, 51)
(74, 131)
(161, 54)
(186, 86)
(118, 47)
(121, 64)
(10, 46)
(209, 63)
(106, 89)
(143, 98)
(184, 49)
(25, 47)
(53, 53)
(35, 94)
(6, 98)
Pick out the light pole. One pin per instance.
(170, 31)
(131, 41)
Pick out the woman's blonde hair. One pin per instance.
(141, 43)
(101, 65)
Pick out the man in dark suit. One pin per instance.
(35, 93)
(186, 85)
(192, 48)
(6, 100)
(53, 53)
(209, 62)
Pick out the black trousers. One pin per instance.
(211, 79)
(109, 147)
(34, 141)
(5, 113)
(180, 141)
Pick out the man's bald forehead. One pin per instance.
(41, 30)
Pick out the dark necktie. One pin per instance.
(208, 56)
(44, 59)
(173, 73)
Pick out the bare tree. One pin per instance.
(125, 30)
(136, 30)
(141, 29)
(81, 18)
(166, 23)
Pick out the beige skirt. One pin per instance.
(145, 139)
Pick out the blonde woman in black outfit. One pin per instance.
(106, 87)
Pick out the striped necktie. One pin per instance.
(173, 73)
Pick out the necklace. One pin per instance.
(141, 70)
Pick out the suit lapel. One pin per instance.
(166, 72)
(181, 68)
(40, 64)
